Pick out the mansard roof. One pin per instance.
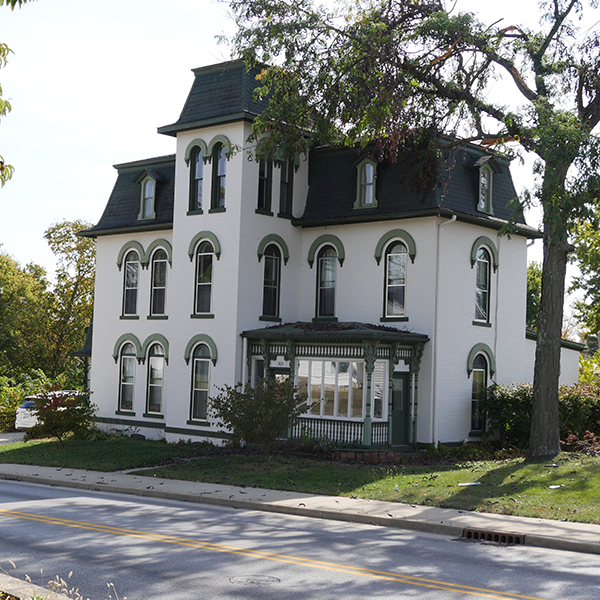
(220, 93)
(333, 180)
(123, 208)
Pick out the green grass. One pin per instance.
(511, 487)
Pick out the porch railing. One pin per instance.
(342, 432)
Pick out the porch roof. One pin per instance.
(339, 331)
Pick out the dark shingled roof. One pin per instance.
(332, 190)
(220, 93)
(123, 208)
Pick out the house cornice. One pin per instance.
(91, 233)
(176, 128)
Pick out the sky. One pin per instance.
(90, 82)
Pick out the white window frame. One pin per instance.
(484, 201)
(387, 286)
(129, 359)
(152, 360)
(321, 260)
(482, 311)
(197, 278)
(154, 287)
(131, 265)
(148, 199)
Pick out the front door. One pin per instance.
(400, 409)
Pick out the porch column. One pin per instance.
(370, 354)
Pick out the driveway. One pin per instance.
(11, 437)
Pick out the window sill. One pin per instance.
(264, 211)
(325, 320)
(392, 319)
(482, 324)
(198, 423)
(289, 216)
(476, 433)
(217, 209)
(157, 317)
(202, 316)
(195, 211)
(125, 413)
(153, 416)
(364, 206)
(267, 318)
(129, 317)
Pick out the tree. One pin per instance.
(411, 76)
(25, 311)
(73, 292)
(534, 292)
(261, 414)
(6, 171)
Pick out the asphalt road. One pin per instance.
(152, 549)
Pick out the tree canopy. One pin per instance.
(413, 76)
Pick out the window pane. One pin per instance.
(131, 274)
(130, 301)
(358, 376)
(155, 399)
(200, 405)
(343, 388)
(160, 273)
(302, 374)
(204, 268)
(396, 269)
(316, 377)
(395, 301)
(329, 373)
(378, 390)
(156, 367)
(127, 397)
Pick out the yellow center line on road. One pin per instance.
(283, 558)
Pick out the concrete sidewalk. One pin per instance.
(531, 532)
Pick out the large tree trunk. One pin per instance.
(544, 440)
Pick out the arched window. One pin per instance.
(485, 190)
(196, 178)
(265, 184)
(326, 277)
(219, 160)
(156, 365)
(366, 182)
(148, 203)
(200, 382)
(272, 258)
(130, 283)
(482, 286)
(286, 188)
(159, 282)
(395, 280)
(127, 377)
(204, 274)
(480, 375)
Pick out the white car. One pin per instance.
(26, 415)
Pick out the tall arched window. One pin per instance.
(480, 374)
(148, 199)
(196, 178)
(159, 282)
(200, 382)
(367, 184)
(156, 365)
(265, 184)
(395, 280)
(130, 283)
(219, 160)
(272, 259)
(482, 286)
(204, 275)
(485, 190)
(326, 279)
(127, 377)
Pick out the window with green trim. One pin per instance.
(482, 286)
(484, 203)
(148, 198)
(326, 281)
(200, 383)
(395, 280)
(156, 366)
(286, 188)
(127, 376)
(219, 176)
(272, 272)
(159, 282)
(480, 377)
(265, 184)
(204, 277)
(130, 283)
(196, 179)
(366, 177)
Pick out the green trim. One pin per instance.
(482, 324)
(199, 422)
(530, 334)
(489, 207)
(130, 229)
(152, 214)
(196, 143)
(263, 211)
(157, 317)
(128, 413)
(198, 339)
(204, 235)
(272, 319)
(270, 239)
(358, 204)
(216, 209)
(202, 316)
(220, 139)
(206, 433)
(156, 337)
(391, 319)
(485, 349)
(173, 129)
(197, 211)
(128, 337)
(396, 234)
(484, 241)
(129, 317)
(285, 215)
(128, 423)
(327, 238)
(325, 320)
(153, 416)
(160, 243)
(131, 245)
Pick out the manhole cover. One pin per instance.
(254, 580)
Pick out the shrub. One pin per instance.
(60, 414)
(259, 414)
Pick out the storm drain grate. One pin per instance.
(500, 537)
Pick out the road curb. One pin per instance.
(25, 589)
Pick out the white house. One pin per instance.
(391, 308)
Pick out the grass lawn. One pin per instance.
(568, 489)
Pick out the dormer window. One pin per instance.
(366, 178)
(485, 190)
(147, 183)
